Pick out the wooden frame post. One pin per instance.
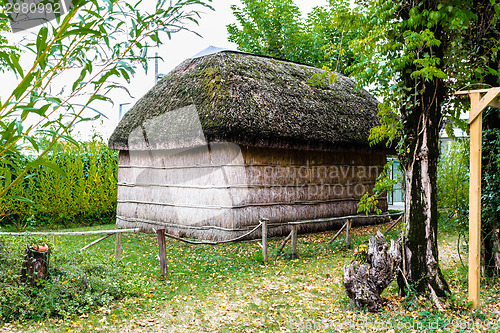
(475, 128)
(118, 245)
(293, 245)
(348, 234)
(162, 251)
(264, 239)
(475, 206)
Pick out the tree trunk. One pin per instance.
(421, 118)
(365, 282)
(36, 264)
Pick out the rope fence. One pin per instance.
(263, 224)
(108, 233)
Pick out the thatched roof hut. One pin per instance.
(227, 138)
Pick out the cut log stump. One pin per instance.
(364, 282)
(36, 264)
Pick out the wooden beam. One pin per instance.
(495, 104)
(118, 246)
(287, 238)
(95, 242)
(294, 241)
(348, 234)
(393, 224)
(264, 239)
(162, 251)
(468, 92)
(475, 202)
(71, 233)
(478, 107)
(338, 233)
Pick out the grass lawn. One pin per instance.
(227, 288)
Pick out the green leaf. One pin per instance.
(39, 111)
(32, 141)
(20, 199)
(51, 165)
(41, 45)
(14, 61)
(7, 175)
(21, 88)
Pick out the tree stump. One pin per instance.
(36, 264)
(364, 282)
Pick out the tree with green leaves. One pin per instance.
(417, 53)
(98, 45)
(485, 68)
(276, 28)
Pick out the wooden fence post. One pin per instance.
(348, 234)
(475, 206)
(294, 241)
(163, 251)
(118, 246)
(264, 239)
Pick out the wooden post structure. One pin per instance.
(338, 233)
(264, 239)
(475, 128)
(348, 234)
(475, 204)
(294, 242)
(118, 246)
(162, 251)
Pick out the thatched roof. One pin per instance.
(247, 99)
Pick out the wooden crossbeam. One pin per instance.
(495, 104)
(71, 233)
(478, 108)
(467, 92)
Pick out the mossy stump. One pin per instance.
(36, 264)
(364, 282)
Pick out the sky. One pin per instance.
(183, 45)
(213, 30)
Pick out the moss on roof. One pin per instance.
(250, 100)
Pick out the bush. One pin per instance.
(85, 192)
(490, 214)
(77, 284)
(491, 178)
(453, 185)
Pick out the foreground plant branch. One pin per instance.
(112, 36)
